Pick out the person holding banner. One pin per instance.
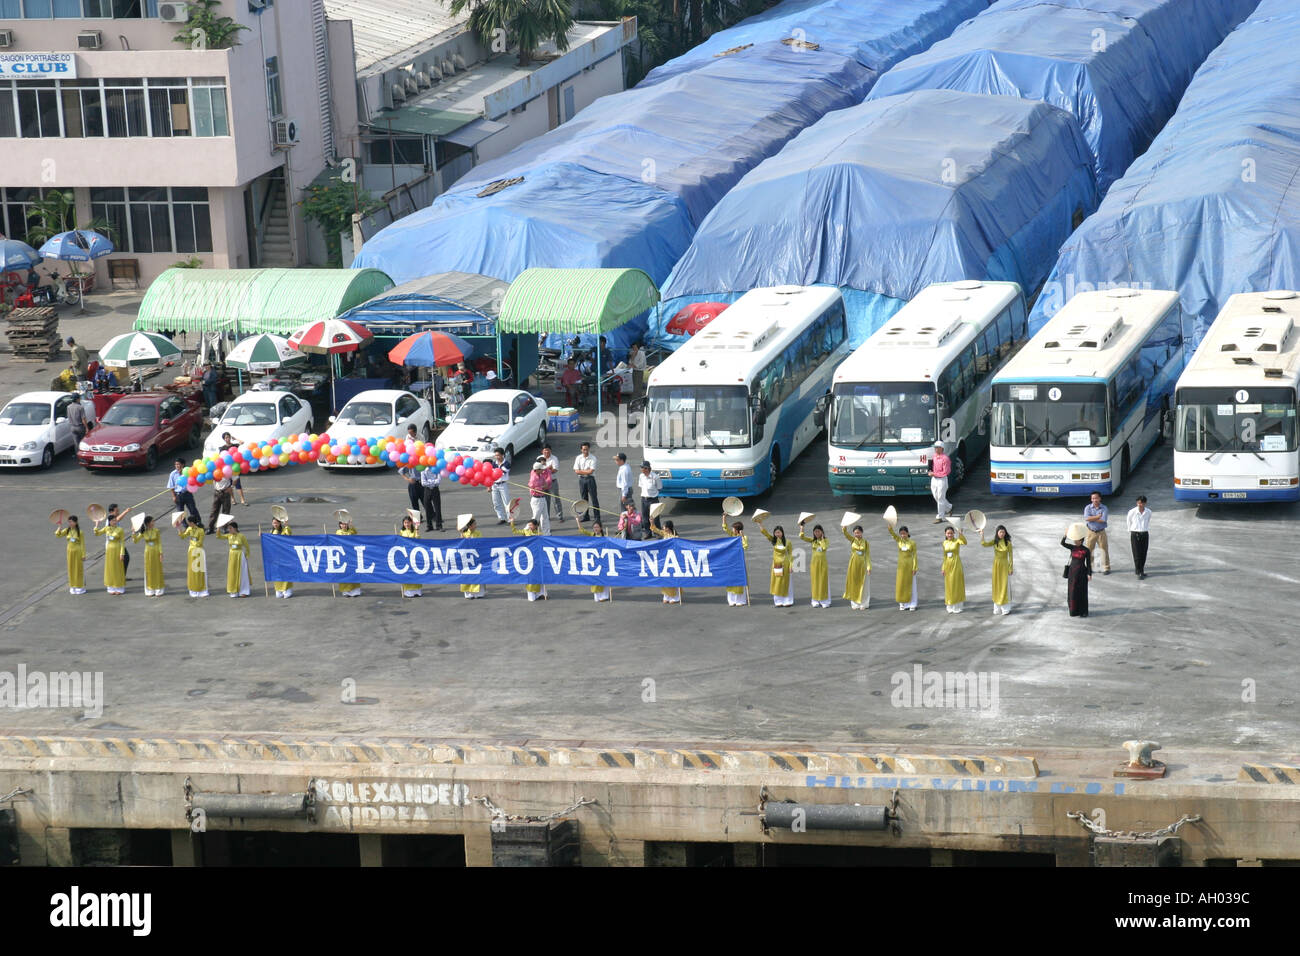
(671, 595)
(535, 592)
(237, 582)
(954, 575)
(283, 589)
(114, 569)
(737, 596)
(351, 589)
(779, 586)
(599, 592)
(468, 528)
(629, 522)
(857, 585)
(411, 530)
(196, 559)
(905, 583)
(1003, 568)
(818, 571)
(153, 566)
(76, 554)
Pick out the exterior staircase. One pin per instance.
(277, 249)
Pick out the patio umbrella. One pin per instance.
(330, 337)
(694, 317)
(430, 349)
(136, 349)
(17, 256)
(77, 245)
(262, 353)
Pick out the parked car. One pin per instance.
(379, 413)
(140, 428)
(502, 417)
(258, 417)
(34, 428)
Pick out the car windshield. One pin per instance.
(1041, 414)
(25, 413)
(130, 414)
(1216, 420)
(482, 413)
(698, 416)
(883, 413)
(249, 413)
(368, 413)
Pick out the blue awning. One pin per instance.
(460, 303)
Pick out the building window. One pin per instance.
(15, 208)
(209, 103)
(83, 108)
(124, 104)
(8, 110)
(77, 9)
(169, 106)
(274, 102)
(162, 219)
(403, 150)
(123, 107)
(445, 152)
(38, 110)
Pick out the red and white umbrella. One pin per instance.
(330, 337)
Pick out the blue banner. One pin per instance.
(540, 559)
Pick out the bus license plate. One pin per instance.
(1047, 489)
(882, 487)
(697, 491)
(108, 458)
(1233, 494)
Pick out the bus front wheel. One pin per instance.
(1123, 472)
(773, 467)
(958, 469)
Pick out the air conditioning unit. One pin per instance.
(399, 93)
(6, 39)
(256, 6)
(90, 40)
(173, 12)
(412, 86)
(422, 80)
(284, 133)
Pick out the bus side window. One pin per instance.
(1129, 385)
(1006, 332)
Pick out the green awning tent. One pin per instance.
(247, 301)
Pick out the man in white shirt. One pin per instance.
(501, 487)
(553, 466)
(623, 480)
(584, 466)
(636, 360)
(649, 483)
(1139, 524)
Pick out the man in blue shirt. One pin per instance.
(501, 487)
(182, 497)
(1096, 515)
(431, 497)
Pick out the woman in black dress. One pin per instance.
(1079, 574)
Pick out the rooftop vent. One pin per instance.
(1088, 335)
(920, 333)
(741, 340)
(1263, 333)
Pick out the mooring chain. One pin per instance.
(15, 792)
(1100, 830)
(499, 814)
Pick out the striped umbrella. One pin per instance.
(135, 349)
(330, 337)
(261, 353)
(430, 349)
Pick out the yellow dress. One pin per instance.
(671, 595)
(76, 558)
(857, 585)
(744, 544)
(779, 582)
(954, 576)
(599, 591)
(1002, 568)
(237, 582)
(114, 572)
(196, 562)
(905, 583)
(411, 588)
(472, 590)
(153, 565)
(819, 575)
(283, 588)
(349, 590)
(535, 591)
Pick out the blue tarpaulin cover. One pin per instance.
(890, 196)
(1119, 66)
(626, 181)
(1213, 207)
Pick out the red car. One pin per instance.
(139, 428)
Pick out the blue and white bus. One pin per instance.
(923, 377)
(730, 409)
(1080, 405)
(1235, 405)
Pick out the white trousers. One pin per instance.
(939, 491)
(541, 513)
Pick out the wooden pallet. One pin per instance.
(33, 334)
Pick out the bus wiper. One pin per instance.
(715, 445)
(859, 445)
(1037, 438)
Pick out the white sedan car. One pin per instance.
(34, 428)
(259, 417)
(495, 417)
(379, 413)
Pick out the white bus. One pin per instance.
(923, 377)
(732, 407)
(1235, 405)
(1080, 405)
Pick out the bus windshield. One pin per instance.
(698, 416)
(1043, 414)
(883, 413)
(1212, 420)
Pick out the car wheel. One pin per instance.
(510, 452)
(427, 433)
(541, 436)
(196, 437)
(47, 457)
(151, 459)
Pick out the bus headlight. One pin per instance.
(738, 473)
(843, 470)
(1276, 482)
(664, 473)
